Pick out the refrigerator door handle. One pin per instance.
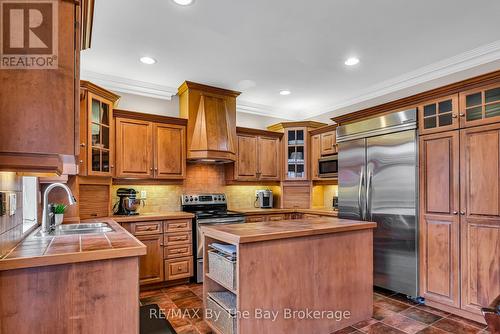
(361, 183)
(368, 192)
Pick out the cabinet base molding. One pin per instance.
(456, 311)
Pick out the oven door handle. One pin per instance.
(220, 221)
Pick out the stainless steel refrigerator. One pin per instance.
(378, 182)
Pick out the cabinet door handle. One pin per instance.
(455, 212)
(454, 115)
(82, 144)
(461, 114)
(150, 168)
(462, 213)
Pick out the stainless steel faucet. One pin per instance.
(47, 207)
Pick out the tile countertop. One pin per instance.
(318, 211)
(153, 216)
(282, 229)
(53, 250)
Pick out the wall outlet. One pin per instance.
(12, 204)
(144, 194)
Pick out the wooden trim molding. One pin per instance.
(283, 125)
(148, 117)
(205, 88)
(28, 162)
(454, 88)
(97, 90)
(258, 132)
(323, 129)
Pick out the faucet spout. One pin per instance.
(47, 214)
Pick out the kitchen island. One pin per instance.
(289, 276)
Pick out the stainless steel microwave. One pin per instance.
(328, 167)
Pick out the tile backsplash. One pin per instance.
(11, 227)
(200, 178)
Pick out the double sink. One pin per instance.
(70, 229)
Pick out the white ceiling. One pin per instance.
(262, 46)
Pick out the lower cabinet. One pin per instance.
(169, 254)
(151, 264)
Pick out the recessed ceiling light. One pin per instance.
(147, 60)
(351, 61)
(285, 92)
(183, 2)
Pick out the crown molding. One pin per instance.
(130, 86)
(261, 110)
(467, 60)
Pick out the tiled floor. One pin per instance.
(392, 314)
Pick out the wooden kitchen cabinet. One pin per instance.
(328, 143)
(149, 146)
(439, 115)
(169, 254)
(134, 146)
(39, 107)
(439, 219)
(480, 106)
(97, 133)
(258, 156)
(315, 156)
(151, 264)
(460, 219)
(480, 216)
(169, 151)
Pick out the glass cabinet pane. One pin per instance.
(291, 137)
(430, 122)
(492, 95)
(96, 160)
(300, 137)
(105, 161)
(492, 110)
(105, 114)
(96, 135)
(96, 108)
(445, 119)
(473, 100)
(429, 110)
(473, 114)
(444, 107)
(105, 137)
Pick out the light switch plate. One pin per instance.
(12, 204)
(144, 194)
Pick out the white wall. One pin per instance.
(151, 105)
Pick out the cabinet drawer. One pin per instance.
(175, 251)
(178, 268)
(177, 238)
(146, 228)
(255, 219)
(177, 225)
(275, 217)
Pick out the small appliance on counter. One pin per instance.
(335, 202)
(263, 199)
(128, 203)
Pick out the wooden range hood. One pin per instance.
(211, 129)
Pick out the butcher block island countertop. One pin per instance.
(72, 284)
(317, 268)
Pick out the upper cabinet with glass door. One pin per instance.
(439, 115)
(296, 148)
(480, 106)
(96, 130)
